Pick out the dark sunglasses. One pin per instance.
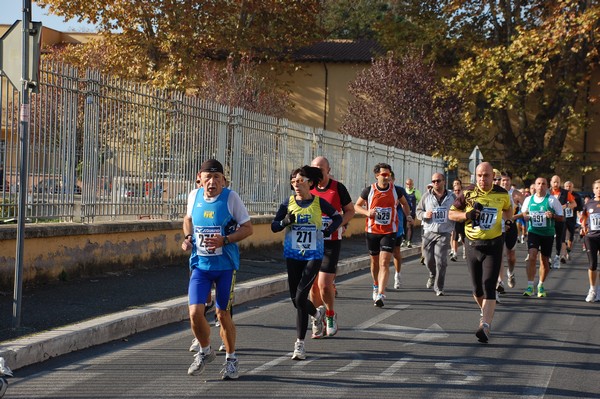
(497, 179)
(437, 181)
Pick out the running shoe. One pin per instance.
(568, 255)
(429, 283)
(528, 291)
(527, 258)
(591, 296)
(511, 281)
(397, 281)
(555, 263)
(379, 300)
(200, 360)
(331, 325)
(541, 291)
(453, 257)
(375, 292)
(563, 260)
(217, 322)
(439, 293)
(195, 346)
(500, 287)
(483, 333)
(317, 323)
(409, 244)
(299, 352)
(464, 254)
(422, 260)
(222, 347)
(230, 371)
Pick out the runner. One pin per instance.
(397, 254)
(381, 200)
(323, 291)
(541, 211)
(482, 207)
(590, 225)
(300, 216)
(433, 210)
(413, 196)
(571, 220)
(215, 220)
(458, 234)
(567, 201)
(510, 235)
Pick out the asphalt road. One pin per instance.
(417, 346)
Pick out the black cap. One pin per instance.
(211, 165)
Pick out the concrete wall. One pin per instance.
(68, 250)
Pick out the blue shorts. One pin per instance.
(201, 282)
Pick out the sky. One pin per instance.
(12, 10)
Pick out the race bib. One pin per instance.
(326, 221)
(594, 221)
(439, 215)
(568, 212)
(487, 218)
(538, 219)
(201, 234)
(383, 216)
(305, 237)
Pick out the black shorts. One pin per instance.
(459, 230)
(510, 237)
(541, 243)
(380, 242)
(331, 256)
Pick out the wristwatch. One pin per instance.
(188, 236)
(225, 240)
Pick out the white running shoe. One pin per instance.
(511, 280)
(200, 360)
(555, 262)
(591, 296)
(429, 282)
(230, 371)
(331, 325)
(195, 347)
(222, 347)
(379, 300)
(375, 292)
(397, 281)
(317, 323)
(299, 351)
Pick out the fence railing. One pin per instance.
(108, 149)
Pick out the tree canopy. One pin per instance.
(401, 102)
(528, 77)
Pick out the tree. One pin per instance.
(528, 79)
(401, 102)
(163, 42)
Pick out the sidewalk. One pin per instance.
(67, 316)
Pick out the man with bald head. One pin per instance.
(323, 289)
(483, 207)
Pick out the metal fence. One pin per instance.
(107, 149)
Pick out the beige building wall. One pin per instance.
(320, 93)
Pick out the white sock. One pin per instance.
(230, 355)
(530, 283)
(206, 350)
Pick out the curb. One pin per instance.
(46, 345)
